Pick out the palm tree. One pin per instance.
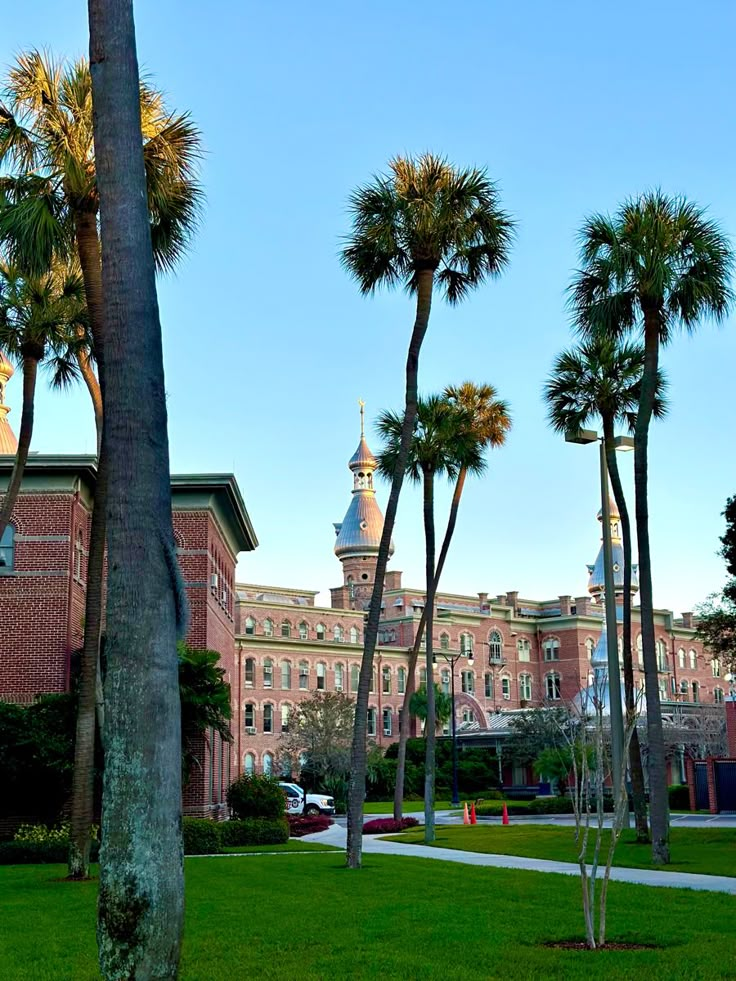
(602, 379)
(426, 224)
(490, 421)
(141, 904)
(442, 705)
(41, 320)
(444, 441)
(49, 205)
(657, 265)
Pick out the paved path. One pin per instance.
(336, 835)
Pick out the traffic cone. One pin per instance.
(473, 818)
(466, 819)
(505, 818)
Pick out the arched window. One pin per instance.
(422, 676)
(718, 695)
(249, 716)
(551, 648)
(268, 627)
(715, 666)
(495, 646)
(552, 686)
(373, 679)
(303, 630)
(285, 628)
(267, 764)
(488, 685)
(684, 687)
(589, 647)
(321, 677)
(354, 635)
(320, 631)
(661, 656)
(640, 651)
(268, 673)
(285, 711)
(445, 681)
(523, 649)
(303, 675)
(696, 691)
(444, 642)
(466, 644)
(387, 722)
(339, 677)
(401, 680)
(285, 675)
(681, 658)
(337, 632)
(467, 681)
(693, 658)
(268, 718)
(354, 677)
(506, 688)
(249, 763)
(7, 549)
(250, 672)
(386, 679)
(371, 722)
(525, 687)
(250, 625)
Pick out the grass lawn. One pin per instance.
(711, 851)
(410, 806)
(307, 917)
(292, 845)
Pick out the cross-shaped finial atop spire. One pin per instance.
(361, 403)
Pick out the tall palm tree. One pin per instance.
(425, 225)
(141, 904)
(602, 379)
(658, 265)
(41, 320)
(490, 422)
(444, 441)
(49, 205)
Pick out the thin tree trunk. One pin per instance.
(30, 374)
(405, 723)
(356, 788)
(141, 896)
(635, 765)
(95, 392)
(658, 802)
(431, 723)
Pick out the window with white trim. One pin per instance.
(661, 656)
(401, 680)
(250, 672)
(467, 679)
(249, 715)
(321, 677)
(285, 712)
(640, 650)
(303, 630)
(268, 673)
(354, 678)
(552, 686)
(467, 642)
(7, 549)
(249, 763)
(250, 625)
(495, 646)
(337, 633)
(681, 658)
(693, 659)
(551, 649)
(386, 679)
(267, 764)
(445, 681)
(489, 685)
(339, 677)
(320, 631)
(268, 628)
(525, 687)
(696, 691)
(506, 688)
(285, 628)
(589, 647)
(524, 649)
(303, 675)
(444, 642)
(715, 666)
(684, 687)
(718, 695)
(285, 675)
(387, 722)
(354, 635)
(371, 722)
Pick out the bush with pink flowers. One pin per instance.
(387, 826)
(300, 825)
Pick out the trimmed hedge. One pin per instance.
(39, 853)
(201, 837)
(300, 826)
(386, 826)
(252, 796)
(253, 831)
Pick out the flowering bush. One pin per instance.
(385, 826)
(39, 834)
(300, 826)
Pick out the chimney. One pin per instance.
(687, 620)
(511, 599)
(565, 604)
(582, 606)
(393, 579)
(483, 601)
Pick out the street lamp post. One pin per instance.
(452, 659)
(614, 674)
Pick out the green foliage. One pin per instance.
(253, 796)
(716, 623)
(679, 794)
(321, 729)
(41, 852)
(201, 836)
(477, 769)
(205, 699)
(442, 705)
(533, 732)
(556, 762)
(253, 831)
(40, 834)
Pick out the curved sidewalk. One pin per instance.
(336, 835)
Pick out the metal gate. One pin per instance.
(725, 774)
(701, 787)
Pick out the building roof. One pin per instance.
(359, 533)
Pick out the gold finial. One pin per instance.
(361, 403)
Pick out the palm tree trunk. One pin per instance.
(635, 766)
(30, 374)
(356, 788)
(658, 801)
(405, 723)
(95, 393)
(141, 896)
(431, 723)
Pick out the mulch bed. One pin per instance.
(612, 945)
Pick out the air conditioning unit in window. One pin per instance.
(250, 730)
(223, 596)
(213, 580)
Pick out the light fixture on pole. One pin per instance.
(452, 658)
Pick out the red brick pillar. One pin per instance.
(712, 797)
(731, 725)
(690, 777)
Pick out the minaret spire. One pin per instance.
(361, 403)
(8, 442)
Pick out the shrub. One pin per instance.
(201, 837)
(488, 795)
(679, 797)
(253, 831)
(520, 794)
(38, 853)
(385, 826)
(251, 796)
(550, 805)
(300, 826)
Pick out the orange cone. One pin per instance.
(473, 818)
(505, 818)
(466, 819)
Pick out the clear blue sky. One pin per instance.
(268, 344)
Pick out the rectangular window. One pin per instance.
(371, 722)
(250, 672)
(489, 686)
(401, 683)
(268, 718)
(506, 688)
(303, 676)
(354, 677)
(267, 674)
(321, 677)
(339, 677)
(387, 722)
(285, 675)
(386, 681)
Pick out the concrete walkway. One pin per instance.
(336, 835)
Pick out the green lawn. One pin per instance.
(307, 917)
(711, 851)
(410, 806)
(292, 845)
